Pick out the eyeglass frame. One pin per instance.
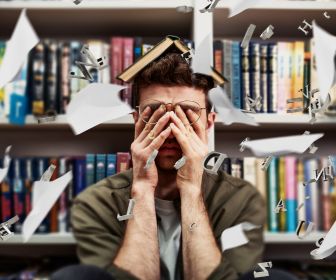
(174, 107)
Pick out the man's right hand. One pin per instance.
(142, 147)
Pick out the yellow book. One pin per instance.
(282, 193)
(297, 73)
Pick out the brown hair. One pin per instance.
(171, 70)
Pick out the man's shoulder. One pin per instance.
(118, 184)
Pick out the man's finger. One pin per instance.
(182, 140)
(140, 124)
(180, 113)
(197, 124)
(159, 140)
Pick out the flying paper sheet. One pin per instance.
(235, 236)
(95, 104)
(238, 6)
(23, 39)
(325, 51)
(48, 192)
(6, 163)
(201, 61)
(278, 146)
(227, 112)
(328, 246)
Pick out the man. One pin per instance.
(179, 215)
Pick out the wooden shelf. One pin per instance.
(68, 238)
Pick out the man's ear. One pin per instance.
(135, 116)
(211, 120)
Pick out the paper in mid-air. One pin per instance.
(325, 51)
(96, 104)
(278, 146)
(201, 61)
(235, 236)
(23, 39)
(238, 6)
(6, 163)
(226, 111)
(328, 245)
(46, 194)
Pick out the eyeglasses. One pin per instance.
(158, 109)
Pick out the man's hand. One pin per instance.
(193, 142)
(142, 147)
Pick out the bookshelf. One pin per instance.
(154, 19)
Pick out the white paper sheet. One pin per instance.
(278, 146)
(49, 193)
(328, 246)
(6, 163)
(23, 39)
(201, 61)
(95, 104)
(238, 6)
(226, 111)
(325, 50)
(235, 236)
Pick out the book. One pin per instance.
(297, 74)
(263, 77)
(291, 193)
(169, 42)
(254, 70)
(116, 58)
(90, 166)
(245, 62)
(100, 167)
(2, 90)
(272, 195)
(226, 166)
(128, 59)
(227, 62)
(123, 161)
(218, 55)
(111, 165)
(237, 168)
(54, 210)
(79, 170)
(261, 178)
(28, 184)
(284, 79)
(63, 203)
(51, 88)
(236, 75)
(137, 48)
(301, 192)
(272, 93)
(282, 192)
(64, 70)
(308, 174)
(18, 195)
(249, 166)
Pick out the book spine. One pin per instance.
(282, 194)
(236, 75)
(2, 90)
(272, 88)
(263, 77)
(254, 70)
(137, 48)
(18, 195)
(308, 173)
(38, 87)
(123, 161)
(79, 175)
(111, 167)
(100, 167)
(245, 75)
(54, 209)
(261, 178)
(6, 200)
(70, 190)
(326, 199)
(272, 176)
(227, 45)
(291, 186)
(237, 168)
(63, 210)
(64, 76)
(250, 170)
(75, 55)
(116, 57)
(51, 98)
(218, 55)
(289, 72)
(314, 195)
(42, 165)
(282, 76)
(90, 169)
(313, 69)
(128, 60)
(297, 75)
(28, 184)
(301, 191)
(306, 75)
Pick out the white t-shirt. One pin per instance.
(169, 232)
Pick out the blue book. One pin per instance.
(100, 167)
(236, 75)
(308, 174)
(254, 57)
(79, 183)
(40, 166)
(18, 194)
(137, 48)
(272, 195)
(90, 169)
(111, 166)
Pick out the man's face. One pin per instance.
(170, 151)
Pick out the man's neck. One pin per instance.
(166, 188)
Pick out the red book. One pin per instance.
(128, 60)
(116, 58)
(123, 161)
(5, 201)
(54, 209)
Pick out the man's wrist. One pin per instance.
(142, 190)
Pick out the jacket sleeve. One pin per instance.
(97, 242)
(236, 261)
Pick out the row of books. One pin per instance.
(16, 188)
(273, 71)
(284, 180)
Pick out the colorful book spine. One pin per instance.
(283, 82)
(272, 195)
(282, 193)
(65, 64)
(28, 183)
(306, 75)
(79, 184)
(263, 77)
(272, 94)
(128, 60)
(291, 193)
(308, 174)
(54, 210)
(90, 169)
(297, 74)
(100, 167)
(245, 66)
(218, 55)
(326, 199)
(227, 58)
(111, 165)
(123, 161)
(301, 191)
(63, 207)
(255, 70)
(250, 171)
(314, 194)
(51, 94)
(18, 195)
(6, 200)
(236, 75)
(137, 48)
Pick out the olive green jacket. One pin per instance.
(229, 201)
